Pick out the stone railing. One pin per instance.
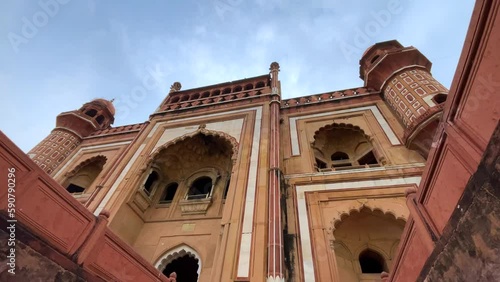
(223, 93)
(57, 226)
(325, 97)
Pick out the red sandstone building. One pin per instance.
(229, 182)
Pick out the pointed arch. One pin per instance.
(373, 206)
(348, 126)
(357, 252)
(201, 130)
(359, 149)
(99, 160)
(82, 177)
(175, 253)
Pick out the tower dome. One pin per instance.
(106, 104)
(99, 110)
(402, 74)
(71, 128)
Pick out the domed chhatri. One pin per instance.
(71, 128)
(106, 104)
(274, 66)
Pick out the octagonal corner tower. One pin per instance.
(402, 74)
(71, 128)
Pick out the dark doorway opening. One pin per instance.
(368, 159)
(186, 268)
(201, 188)
(72, 188)
(371, 262)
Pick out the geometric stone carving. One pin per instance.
(195, 206)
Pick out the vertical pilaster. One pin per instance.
(275, 258)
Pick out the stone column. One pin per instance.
(275, 257)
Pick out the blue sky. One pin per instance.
(55, 55)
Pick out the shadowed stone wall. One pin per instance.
(469, 249)
(31, 265)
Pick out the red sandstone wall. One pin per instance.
(470, 116)
(47, 211)
(54, 149)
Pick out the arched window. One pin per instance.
(374, 59)
(371, 262)
(320, 164)
(100, 119)
(200, 189)
(343, 146)
(368, 159)
(439, 98)
(169, 193)
(340, 159)
(82, 177)
(91, 113)
(153, 178)
(339, 156)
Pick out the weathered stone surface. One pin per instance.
(469, 249)
(32, 266)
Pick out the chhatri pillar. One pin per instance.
(402, 75)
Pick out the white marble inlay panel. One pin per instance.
(294, 135)
(306, 248)
(245, 247)
(244, 258)
(118, 180)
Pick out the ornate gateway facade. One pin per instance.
(231, 182)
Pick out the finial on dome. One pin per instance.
(175, 87)
(112, 100)
(274, 66)
(105, 103)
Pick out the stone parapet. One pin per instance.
(57, 226)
